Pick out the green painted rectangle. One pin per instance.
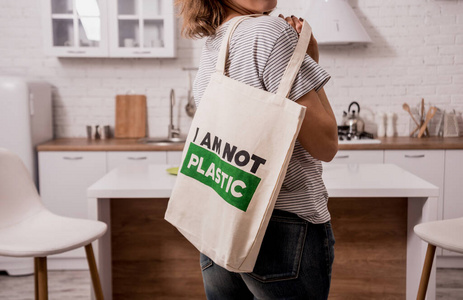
(232, 184)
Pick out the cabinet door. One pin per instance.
(358, 156)
(174, 157)
(75, 28)
(119, 158)
(64, 178)
(142, 28)
(453, 188)
(427, 164)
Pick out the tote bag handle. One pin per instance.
(291, 69)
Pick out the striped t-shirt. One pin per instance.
(259, 51)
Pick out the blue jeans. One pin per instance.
(294, 263)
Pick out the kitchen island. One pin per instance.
(373, 207)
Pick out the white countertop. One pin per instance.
(341, 180)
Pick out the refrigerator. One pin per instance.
(25, 122)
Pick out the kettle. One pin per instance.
(352, 119)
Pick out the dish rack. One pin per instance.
(451, 128)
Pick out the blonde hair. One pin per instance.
(201, 17)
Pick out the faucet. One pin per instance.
(173, 132)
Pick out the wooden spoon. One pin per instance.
(431, 112)
(406, 107)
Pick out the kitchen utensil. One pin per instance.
(97, 132)
(130, 116)
(190, 106)
(105, 132)
(451, 128)
(406, 107)
(422, 115)
(90, 134)
(355, 123)
(431, 112)
(415, 130)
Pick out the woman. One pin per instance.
(297, 252)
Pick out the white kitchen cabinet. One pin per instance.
(453, 188)
(426, 164)
(64, 177)
(119, 158)
(109, 28)
(75, 28)
(174, 157)
(142, 28)
(358, 156)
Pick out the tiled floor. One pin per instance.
(64, 285)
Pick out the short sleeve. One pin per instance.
(310, 76)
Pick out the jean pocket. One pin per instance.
(205, 261)
(281, 251)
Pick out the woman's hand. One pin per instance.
(312, 49)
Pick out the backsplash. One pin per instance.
(417, 52)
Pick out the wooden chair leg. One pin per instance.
(36, 278)
(426, 272)
(94, 272)
(41, 291)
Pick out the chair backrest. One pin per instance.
(19, 198)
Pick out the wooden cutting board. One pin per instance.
(130, 116)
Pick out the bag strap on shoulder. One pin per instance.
(224, 47)
(295, 62)
(293, 66)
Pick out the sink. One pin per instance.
(162, 140)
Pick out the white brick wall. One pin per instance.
(417, 52)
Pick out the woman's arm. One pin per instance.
(319, 131)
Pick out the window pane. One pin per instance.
(88, 8)
(61, 7)
(127, 7)
(63, 32)
(89, 32)
(129, 33)
(154, 33)
(152, 8)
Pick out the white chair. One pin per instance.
(447, 234)
(28, 229)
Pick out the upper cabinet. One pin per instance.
(109, 28)
(141, 28)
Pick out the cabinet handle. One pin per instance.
(137, 158)
(342, 156)
(72, 158)
(414, 156)
(76, 51)
(142, 52)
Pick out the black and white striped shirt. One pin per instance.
(259, 51)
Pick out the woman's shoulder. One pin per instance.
(266, 25)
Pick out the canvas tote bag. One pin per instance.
(234, 161)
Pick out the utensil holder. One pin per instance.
(433, 125)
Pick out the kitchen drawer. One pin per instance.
(358, 156)
(119, 158)
(174, 157)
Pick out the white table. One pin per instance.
(341, 180)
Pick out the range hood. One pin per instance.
(335, 23)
